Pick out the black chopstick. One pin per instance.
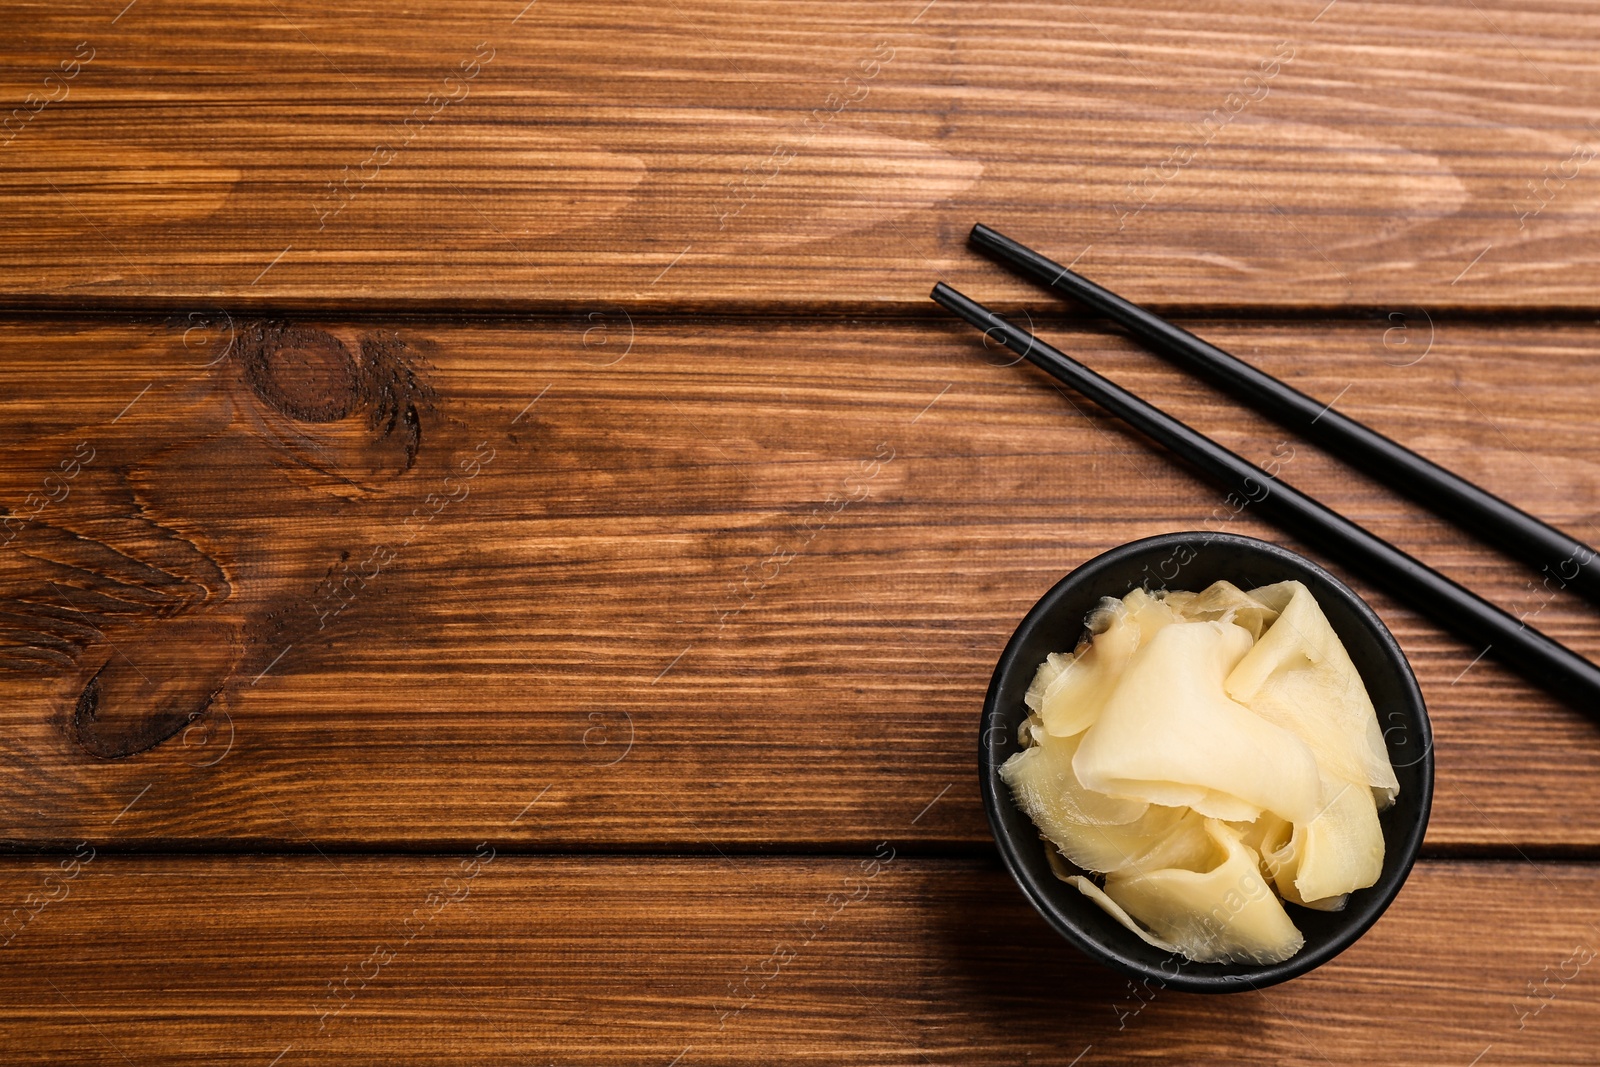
(1560, 555)
(1542, 660)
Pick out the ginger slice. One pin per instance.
(1225, 914)
(1170, 735)
(1300, 677)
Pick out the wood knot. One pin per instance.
(353, 413)
(306, 373)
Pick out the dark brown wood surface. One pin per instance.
(732, 961)
(770, 564)
(488, 426)
(727, 154)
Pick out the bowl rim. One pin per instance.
(995, 794)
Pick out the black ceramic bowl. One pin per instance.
(1193, 561)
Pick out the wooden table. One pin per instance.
(507, 559)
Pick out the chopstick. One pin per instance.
(1571, 562)
(1542, 660)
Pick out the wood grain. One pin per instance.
(640, 961)
(493, 534)
(714, 154)
(617, 583)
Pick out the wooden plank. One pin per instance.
(713, 154)
(696, 588)
(654, 961)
